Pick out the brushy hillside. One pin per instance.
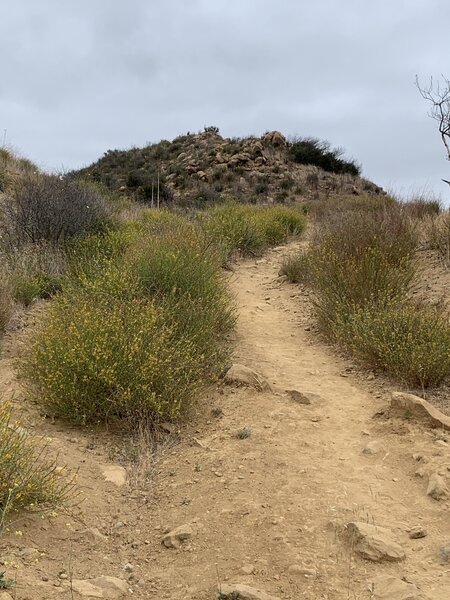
(196, 169)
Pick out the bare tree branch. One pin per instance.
(438, 95)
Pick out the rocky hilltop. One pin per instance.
(204, 167)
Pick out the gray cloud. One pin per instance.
(78, 78)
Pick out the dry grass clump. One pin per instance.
(438, 235)
(324, 208)
(6, 298)
(28, 478)
(36, 271)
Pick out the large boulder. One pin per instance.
(387, 587)
(110, 588)
(374, 543)
(274, 138)
(437, 488)
(418, 408)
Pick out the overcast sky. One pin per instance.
(78, 77)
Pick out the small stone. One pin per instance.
(175, 537)
(441, 443)
(436, 487)
(94, 535)
(303, 397)
(128, 567)
(373, 447)
(420, 472)
(248, 569)
(302, 571)
(101, 587)
(418, 457)
(416, 533)
(419, 408)
(238, 591)
(63, 575)
(168, 427)
(115, 474)
(444, 553)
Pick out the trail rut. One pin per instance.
(269, 511)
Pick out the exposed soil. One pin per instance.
(268, 510)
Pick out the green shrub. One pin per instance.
(324, 209)
(231, 226)
(28, 479)
(27, 289)
(407, 341)
(180, 270)
(359, 259)
(249, 230)
(353, 232)
(279, 222)
(311, 151)
(138, 337)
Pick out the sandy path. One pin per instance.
(274, 503)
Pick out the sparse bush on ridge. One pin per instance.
(312, 151)
(28, 478)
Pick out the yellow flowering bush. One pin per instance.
(28, 479)
(407, 341)
(99, 356)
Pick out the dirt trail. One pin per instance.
(268, 510)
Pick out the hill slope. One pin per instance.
(205, 167)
